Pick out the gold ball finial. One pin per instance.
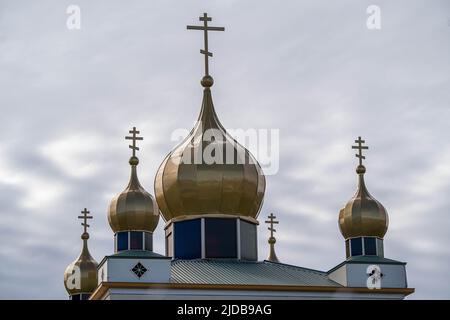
(272, 240)
(134, 161)
(207, 81)
(85, 236)
(360, 169)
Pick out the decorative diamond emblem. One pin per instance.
(139, 270)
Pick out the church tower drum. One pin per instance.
(363, 221)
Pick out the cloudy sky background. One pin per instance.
(309, 68)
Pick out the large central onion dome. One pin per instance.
(230, 182)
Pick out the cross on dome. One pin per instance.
(205, 28)
(271, 221)
(272, 256)
(85, 217)
(134, 138)
(360, 148)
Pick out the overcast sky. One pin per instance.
(311, 69)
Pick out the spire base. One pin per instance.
(272, 255)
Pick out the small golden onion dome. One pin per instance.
(363, 215)
(187, 184)
(134, 208)
(81, 275)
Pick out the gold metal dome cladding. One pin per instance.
(185, 188)
(191, 188)
(363, 215)
(134, 208)
(81, 275)
(87, 267)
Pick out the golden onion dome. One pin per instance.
(81, 275)
(363, 215)
(134, 208)
(188, 184)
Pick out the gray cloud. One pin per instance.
(311, 69)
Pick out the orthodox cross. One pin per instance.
(271, 221)
(134, 137)
(205, 29)
(360, 148)
(85, 217)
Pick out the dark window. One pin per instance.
(76, 297)
(356, 244)
(248, 241)
(136, 240)
(122, 241)
(148, 241)
(220, 238)
(85, 296)
(188, 239)
(370, 247)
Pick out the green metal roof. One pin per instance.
(203, 271)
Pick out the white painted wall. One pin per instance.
(119, 270)
(394, 276)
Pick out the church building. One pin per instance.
(210, 213)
